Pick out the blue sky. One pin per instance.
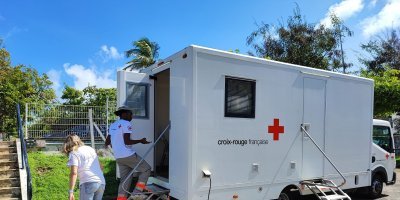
(82, 42)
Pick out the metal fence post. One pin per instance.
(91, 127)
(107, 117)
(26, 121)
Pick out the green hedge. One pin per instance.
(50, 176)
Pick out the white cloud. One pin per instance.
(54, 76)
(388, 17)
(109, 53)
(344, 10)
(84, 77)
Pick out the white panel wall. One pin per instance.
(349, 123)
(278, 95)
(181, 112)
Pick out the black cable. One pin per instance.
(209, 189)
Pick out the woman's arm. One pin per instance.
(73, 175)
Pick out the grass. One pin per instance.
(50, 176)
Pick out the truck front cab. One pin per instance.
(383, 157)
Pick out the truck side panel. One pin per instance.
(279, 94)
(181, 116)
(348, 129)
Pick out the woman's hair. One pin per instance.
(72, 142)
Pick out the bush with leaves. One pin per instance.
(386, 91)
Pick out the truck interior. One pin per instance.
(161, 120)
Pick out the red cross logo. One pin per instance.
(276, 129)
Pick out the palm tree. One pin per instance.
(144, 53)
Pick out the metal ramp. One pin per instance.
(153, 191)
(322, 188)
(325, 189)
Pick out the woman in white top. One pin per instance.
(84, 163)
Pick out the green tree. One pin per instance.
(98, 96)
(298, 42)
(386, 91)
(144, 53)
(339, 31)
(383, 51)
(20, 84)
(72, 96)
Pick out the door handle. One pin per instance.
(306, 126)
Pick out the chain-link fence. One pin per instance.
(55, 121)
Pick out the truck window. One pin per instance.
(382, 137)
(136, 98)
(240, 97)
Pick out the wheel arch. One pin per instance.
(381, 171)
(292, 188)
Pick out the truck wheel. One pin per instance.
(284, 196)
(376, 188)
(289, 195)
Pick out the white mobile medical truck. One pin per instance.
(230, 126)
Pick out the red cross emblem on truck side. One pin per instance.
(276, 129)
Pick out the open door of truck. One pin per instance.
(135, 90)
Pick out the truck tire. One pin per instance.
(287, 194)
(284, 196)
(376, 188)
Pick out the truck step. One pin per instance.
(325, 189)
(335, 197)
(153, 188)
(153, 191)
